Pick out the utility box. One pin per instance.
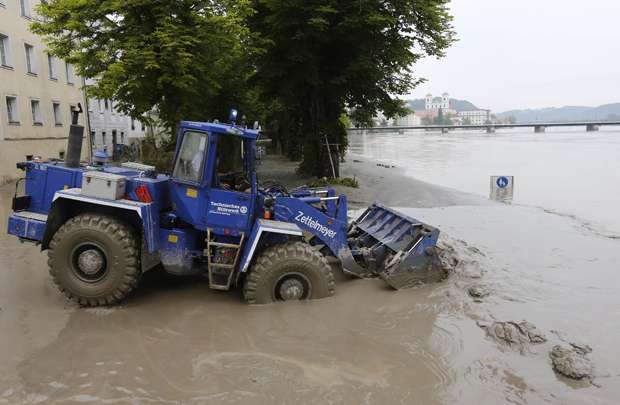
(103, 185)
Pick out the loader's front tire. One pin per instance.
(94, 260)
(287, 272)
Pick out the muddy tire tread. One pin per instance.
(265, 266)
(118, 231)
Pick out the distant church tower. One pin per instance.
(429, 102)
(445, 101)
(440, 103)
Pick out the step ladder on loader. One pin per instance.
(221, 273)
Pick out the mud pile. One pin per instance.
(572, 362)
(518, 335)
(478, 292)
(457, 257)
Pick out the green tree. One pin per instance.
(439, 118)
(181, 59)
(324, 56)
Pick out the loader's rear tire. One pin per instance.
(287, 272)
(94, 260)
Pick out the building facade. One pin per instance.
(474, 117)
(462, 117)
(37, 93)
(111, 128)
(107, 125)
(437, 103)
(426, 116)
(409, 120)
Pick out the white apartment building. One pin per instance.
(408, 120)
(37, 93)
(474, 117)
(108, 126)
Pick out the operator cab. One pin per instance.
(230, 171)
(214, 179)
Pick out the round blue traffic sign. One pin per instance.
(502, 182)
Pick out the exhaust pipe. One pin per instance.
(76, 136)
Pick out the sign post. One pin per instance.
(502, 188)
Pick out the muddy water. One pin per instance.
(547, 269)
(175, 341)
(552, 258)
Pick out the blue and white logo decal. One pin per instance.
(220, 208)
(314, 224)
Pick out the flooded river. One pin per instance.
(177, 342)
(565, 170)
(551, 258)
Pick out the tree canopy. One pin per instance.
(301, 64)
(185, 59)
(326, 57)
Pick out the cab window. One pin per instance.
(190, 161)
(230, 171)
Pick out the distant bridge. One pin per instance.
(539, 127)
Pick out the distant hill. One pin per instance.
(607, 112)
(458, 105)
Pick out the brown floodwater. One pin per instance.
(176, 341)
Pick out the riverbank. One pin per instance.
(377, 182)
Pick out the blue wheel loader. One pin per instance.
(103, 226)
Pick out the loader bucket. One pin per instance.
(388, 244)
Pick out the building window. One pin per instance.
(69, 71)
(29, 49)
(133, 125)
(35, 108)
(103, 138)
(24, 6)
(142, 126)
(57, 114)
(11, 109)
(105, 102)
(51, 64)
(5, 59)
(123, 138)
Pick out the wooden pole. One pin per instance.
(329, 152)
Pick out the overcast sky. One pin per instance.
(515, 54)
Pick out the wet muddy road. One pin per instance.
(176, 341)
